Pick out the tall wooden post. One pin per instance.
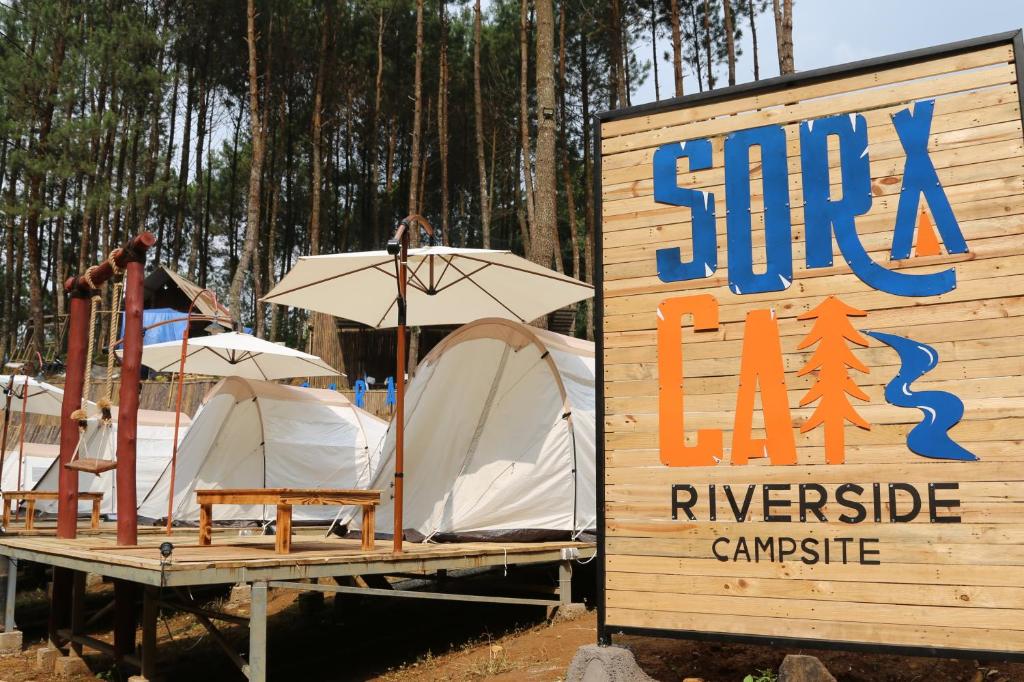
(125, 592)
(67, 479)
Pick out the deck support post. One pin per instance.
(257, 668)
(564, 583)
(12, 589)
(150, 611)
(77, 610)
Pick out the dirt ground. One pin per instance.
(396, 640)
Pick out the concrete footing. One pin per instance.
(45, 659)
(10, 642)
(567, 612)
(594, 663)
(70, 667)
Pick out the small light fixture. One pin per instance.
(166, 549)
(215, 327)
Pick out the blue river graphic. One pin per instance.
(942, 410)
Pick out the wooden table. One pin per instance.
(31, 496)
(285, 499)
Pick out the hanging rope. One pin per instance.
(115, 314)
(91, 348)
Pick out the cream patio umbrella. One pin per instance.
(434, 285)
(235, 354)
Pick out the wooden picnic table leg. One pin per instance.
(30, 515)
(205, 524)
(7, 511)
(95, 513)
(369, 515)
(284, 528)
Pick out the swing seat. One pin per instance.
(91, 465)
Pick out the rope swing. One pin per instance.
(105, 460)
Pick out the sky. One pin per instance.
(830, 32)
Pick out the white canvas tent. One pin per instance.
(38, 457)
(153, 444)
(256, 434)
(499, 438)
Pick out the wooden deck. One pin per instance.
(248, 559)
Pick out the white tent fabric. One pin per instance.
(499, 438)
(37, 459)
(154, 441)
(255, 434)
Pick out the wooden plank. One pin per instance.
(970, 60)
(1000, 75)
(908, 633)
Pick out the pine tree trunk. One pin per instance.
(414, 167)
(204, 103)
(164, 209)
(544, 235)
(375, 134)
(777, 15)
(186, 148)
(677, 48)
(654, 49)
(257, 123)
(707, 45)
(481, 163)
(525, 145)
(567, 174)
(753, 37)
(617, 92)
(730, 40)
(324, 340)
(588, 178)
(417, 116)
(786, 65)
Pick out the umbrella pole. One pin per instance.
(7, 423)
(22, 425)
(177, 422)
(400, 392)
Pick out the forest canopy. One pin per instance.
(247, 133)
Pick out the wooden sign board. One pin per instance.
(811, 319)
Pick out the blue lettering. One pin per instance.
(778, 229)
(920, 179)
(701, 205)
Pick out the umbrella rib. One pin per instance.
(478, 286)
(177, 361)
(323, 366)
(388, 310)
(558, 278)
(464, 276)
(447, 264)
(373, 266)
(414, 276)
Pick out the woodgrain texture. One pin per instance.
(955, 585)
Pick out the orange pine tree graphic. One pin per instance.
(830, 362)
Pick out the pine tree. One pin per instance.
(830, 363)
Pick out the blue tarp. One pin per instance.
(172, 331)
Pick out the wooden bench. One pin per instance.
(32, 496)
(285, 499)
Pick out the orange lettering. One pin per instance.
(674, 452)
(761, 365)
